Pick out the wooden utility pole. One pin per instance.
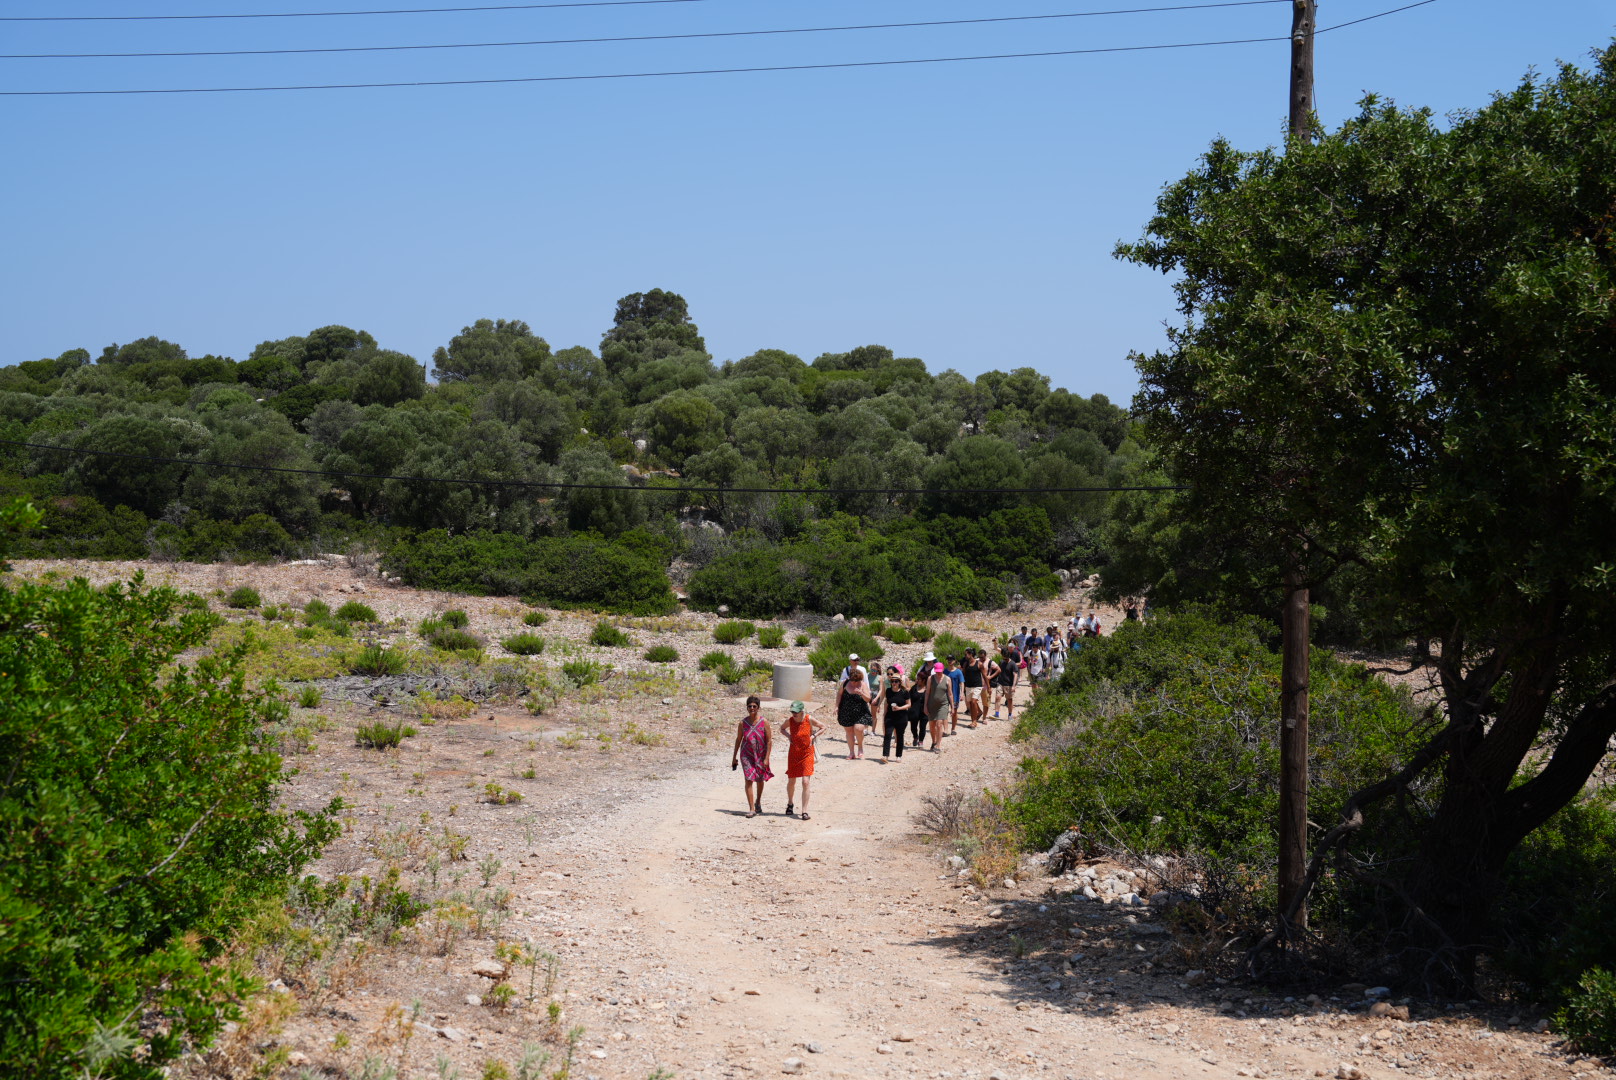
(1296, 621)
(1304, 19)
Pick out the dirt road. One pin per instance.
(706, 944)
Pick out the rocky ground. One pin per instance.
(692, 941)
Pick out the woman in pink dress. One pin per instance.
(753, 744)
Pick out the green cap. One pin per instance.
(797, 706)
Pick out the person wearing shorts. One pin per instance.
(990, 679)
(1009, 668)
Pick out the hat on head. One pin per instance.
(852, 656)
(898, 668)
(797, 706)
(937, 669)
(929, 657)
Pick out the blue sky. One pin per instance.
(963, 213)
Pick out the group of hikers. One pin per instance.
(899, 704)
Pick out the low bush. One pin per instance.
(456, 618)
(899, 636)
(378, 660)
(844, 568)
(316, 611)
(524, 644)
(353, 611)
(1588, 1019)
(570, 572)
(771, 637)
(309, 697)
(716, 658)
(731, 631)
(607, 636)
(662, 654)
(382, 735)
(829, 656)
(876, 628)
(457, 641)
(243, 597)
(920, 632)
(535, 618)
(802, 641)
(581, 673)
(949, 643)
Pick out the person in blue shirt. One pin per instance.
(956, 678)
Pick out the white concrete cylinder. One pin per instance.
(793, 681)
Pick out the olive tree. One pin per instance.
(1399, 355)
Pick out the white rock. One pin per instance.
(791, 1065)
(473, 999)
(597, 1054)
(956, 862)
(1009, 883)
(297, 1058)
(452, 1034)
(1088, 891)
(838, 617)
(884, 1048)
(814, 1048)
(489, 969)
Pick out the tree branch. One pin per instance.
(184, 840)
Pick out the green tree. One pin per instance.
(1397, 354)
(139, 826)
(491, 351)
(978, 467)
(683, 423)
(388, 378)
(648, 326)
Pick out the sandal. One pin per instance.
(789, 809)
(805, 815)
(751, 813)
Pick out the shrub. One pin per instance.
(803, 640)
(715, 659)
(270, 612)
(1588, 1019)
(378, 660)
(771, 637)
(309, 697)
(949, 643)
(662, 654)
(608, 636)
(353, 611)
(1161, 738)
(166, 772)
(759, 583)
(899, 636)
(571, 572)
(731, 631)
(243, 597)
(450, 640)
(381, 735)
(581, 673)
(876, 628)
(316, 611)
(920, 632)
(456, 618)
(535, 618)
(830, 655)
(524, 644)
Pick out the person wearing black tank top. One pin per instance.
(971, 668)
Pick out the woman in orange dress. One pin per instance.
(801, 729)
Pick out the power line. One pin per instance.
(1378, 15)
(633, 74)
(565, 486)
(325, 14)
(638, 37)
(690, 71)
